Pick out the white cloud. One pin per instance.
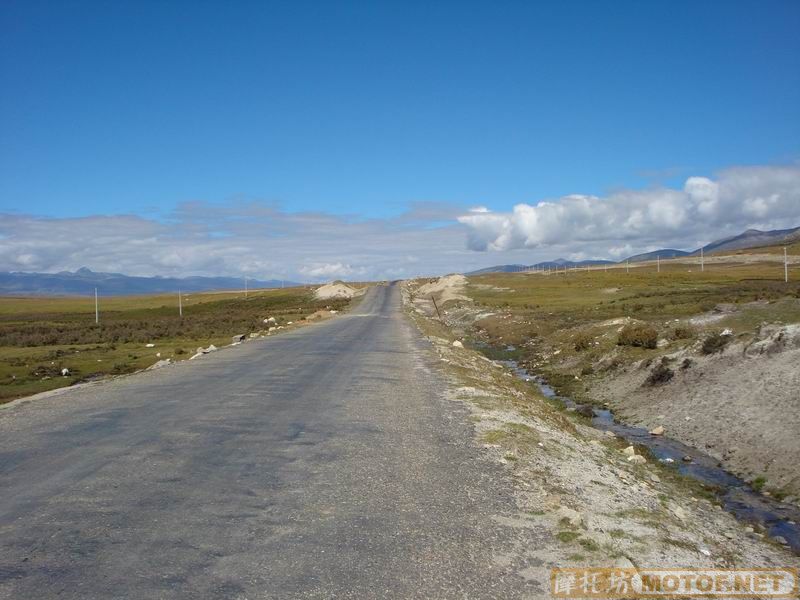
(742, 197)
(329, 270)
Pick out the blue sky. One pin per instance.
(360, 109)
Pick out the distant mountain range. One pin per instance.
(84, 281)
(752, 238)
(548, 264)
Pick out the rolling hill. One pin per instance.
(752, 238)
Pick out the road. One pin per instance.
(321, 463)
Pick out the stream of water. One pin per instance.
(737, 497)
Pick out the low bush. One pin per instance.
(683, 332)
(583, 341)
(642, 336)
(661, 374)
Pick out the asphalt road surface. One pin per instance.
(322, 463)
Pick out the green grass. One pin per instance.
(567, 536)
(40, 336)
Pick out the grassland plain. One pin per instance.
(41, 336)
(581, 500)
(734, 395)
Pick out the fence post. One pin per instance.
(436, 307)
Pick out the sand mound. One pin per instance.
(449, 287)
(337, 289)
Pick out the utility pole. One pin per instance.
(180, 304)
(245, 286)
(785, 266)
(658, 263)
(627, 266)
(96, 309)
(702, 261)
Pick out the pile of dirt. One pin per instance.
(336, 289)
(449, 287)
(741, 405)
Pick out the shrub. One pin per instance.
(642, 336)
(583, 341)
(714, 343)
(683, 332)
(661, 374)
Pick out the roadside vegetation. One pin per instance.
(39, 337)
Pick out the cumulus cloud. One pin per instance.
(766, 197)
(330, 270)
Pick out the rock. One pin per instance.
(610, 434)
(269, 320)
(657, 431)
(637, 459)
(705, 551)
(458, 344)
(158, 354)
(655, 478)
(212, 348)
(149, 345)
(255, 335)
(573, 516)
(678, 512)
(585, 410)
(781, 540)
(64, 372)
(238, 338)
(687, 459)
(630, 451)
(272, 329)
(290, 323)
(727, 331)
(749, 529)
(160, 363)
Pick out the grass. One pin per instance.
(567, 536)
(41, 336)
